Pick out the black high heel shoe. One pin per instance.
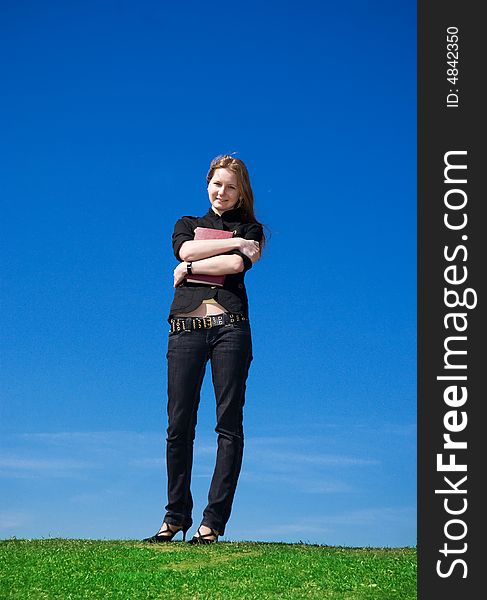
(166, 535)
(205, 538)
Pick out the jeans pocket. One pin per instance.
(243, 326)
(173, 334)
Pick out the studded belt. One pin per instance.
(192, 323)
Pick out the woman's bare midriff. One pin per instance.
(204, 310)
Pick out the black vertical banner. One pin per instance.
(452, 246)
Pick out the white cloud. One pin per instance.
(93, 439)
(305, 484)
(379, 516)
(147, 463)
(12, 520)
(329, 460)
(40, 464)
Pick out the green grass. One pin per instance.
(75, 569)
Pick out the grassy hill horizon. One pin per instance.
(58, 568)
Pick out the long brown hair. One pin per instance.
(246, 195)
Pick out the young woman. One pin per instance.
(210, 322)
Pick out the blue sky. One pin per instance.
(110, 114)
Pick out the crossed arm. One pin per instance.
(207, 257)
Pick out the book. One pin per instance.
(207, 233)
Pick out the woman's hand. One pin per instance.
(180, 273)
(250, 248)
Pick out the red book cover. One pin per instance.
(207, 233)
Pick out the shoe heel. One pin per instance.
(205, 538)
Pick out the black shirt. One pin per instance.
(232, 296)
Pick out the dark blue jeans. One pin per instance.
(229, 348)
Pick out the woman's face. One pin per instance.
(223, 190)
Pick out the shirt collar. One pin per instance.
(232, 215)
